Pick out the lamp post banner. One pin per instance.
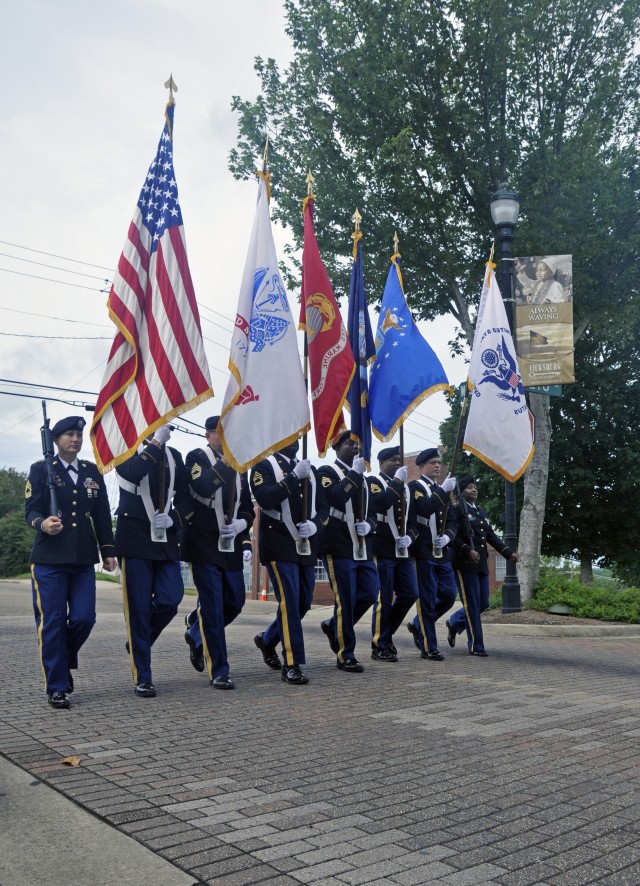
(544, 319)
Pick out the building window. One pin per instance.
(321, 572)
(501, 568)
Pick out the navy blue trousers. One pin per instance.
(474, 593)
(397, 576)
(293, 586)
(64, 604)
(436, 595)
(151, 593)
(221, 596)
(355, 585)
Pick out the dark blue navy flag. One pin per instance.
(406, 370)
(364, 351)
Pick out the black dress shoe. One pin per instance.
(269, 655)
(196, 654)
(145, 690)
(59, 700)
(351, 665)
(434, 655)
(482, 654)
(413, 630)
(294, 675)
(392, 649)
(383, 654)
(223, 682)
(127, 647)
(451, 634)
(69, 683)
(330, 635)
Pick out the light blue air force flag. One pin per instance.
(406, 370)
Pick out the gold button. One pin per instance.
(74, 525)
(73, 513)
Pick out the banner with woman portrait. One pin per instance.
(544, 319)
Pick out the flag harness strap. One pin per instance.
(286, 517)
(144, 491)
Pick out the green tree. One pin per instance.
(416, 111)
(16, 538)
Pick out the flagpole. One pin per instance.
(357, 236)
(304, 545)
(437, 552)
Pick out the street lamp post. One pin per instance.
(505, 209)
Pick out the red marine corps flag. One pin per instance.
(331, 362)
(157, 368)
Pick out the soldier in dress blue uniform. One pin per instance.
(276, 483)
(66, 547)
(217, 517)
(346, 549)
(436, 581)
(471, 564)
(147, 543)
(395, 531)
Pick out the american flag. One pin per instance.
(157, 368)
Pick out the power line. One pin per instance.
(61, 319)
(63, 257)
(54, 267)
(51, 280)
(59, 337)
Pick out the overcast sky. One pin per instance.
(83, 106)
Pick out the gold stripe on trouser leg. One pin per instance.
(339, 623)
(465, 604)
(284, 618)
(207, 657)
(419, 612)
(40, 626)
(378, 604)
(125, 605)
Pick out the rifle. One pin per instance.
(47, 451)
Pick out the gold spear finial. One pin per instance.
(357, 234)
(396, 242)
(171, 86)
(356, 218)
(266, 151)
(309, 180)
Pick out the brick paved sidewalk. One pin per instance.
(518, 769)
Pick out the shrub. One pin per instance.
(587, 601)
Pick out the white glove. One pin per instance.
(307, 529)
(303, 469)
(448, 484)
(362, 528)
(358, 465)
(441, 541)
(163, 521)
(233, 528)
(162, 434)
(246, 556)
(404, 541)
(401, 474)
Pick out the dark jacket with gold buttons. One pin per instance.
(83, 507)
(384, 544)
(424, 506)
(482, 533)
(336, 538)
(200, 532)
(133, 530)
(276, 543)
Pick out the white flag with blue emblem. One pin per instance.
(498, 428)
(265, 406)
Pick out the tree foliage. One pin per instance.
(16, 538)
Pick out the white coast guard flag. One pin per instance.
(498, 428)
(265, 406)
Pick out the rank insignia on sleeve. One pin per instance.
(196, 471)
(257, 478)
(375, 488)
(326, 481)
(28, 491)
